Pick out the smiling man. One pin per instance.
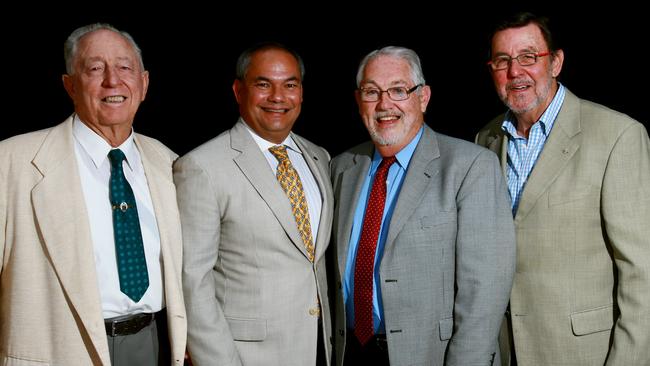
(578, 175)
(422, 234)
(90, 239)
(256, 208)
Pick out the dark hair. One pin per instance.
(523, 19)
(244, 60)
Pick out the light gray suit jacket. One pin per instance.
(50, 309)
(448, 260)
(252, 293)
(581, 293)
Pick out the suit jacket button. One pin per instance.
(314, 311)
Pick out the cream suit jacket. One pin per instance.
(50, 310)
(252, 294)
(581, 292)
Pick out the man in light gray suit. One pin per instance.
(254, 265)
(579, 176)
(425, 278)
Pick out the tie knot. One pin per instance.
(280, 152)
(386, 163)
(116, 156)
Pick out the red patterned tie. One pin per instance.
(365, 262)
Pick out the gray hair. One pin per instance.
(71, 44)
(407, 54)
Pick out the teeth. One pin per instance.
(274, 110)
(387, 118)
(115, 99)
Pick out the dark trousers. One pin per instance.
(148, 347)
(374, 353)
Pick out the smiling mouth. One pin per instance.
(114, 99)
(275, 110)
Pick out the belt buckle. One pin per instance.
(129, 325)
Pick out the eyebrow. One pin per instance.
(264, 78)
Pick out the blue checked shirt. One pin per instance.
(522, 152)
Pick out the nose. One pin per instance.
(514, 69)
(384, 100)
(276, 95)
(111, 77)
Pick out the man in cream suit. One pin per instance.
(254, 278)
(442, 256)
(58, 275)
(579, 178)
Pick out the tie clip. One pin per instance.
(123, 207)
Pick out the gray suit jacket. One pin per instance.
(449, 255)
(50, 309)
(252, 293)
(581, 293)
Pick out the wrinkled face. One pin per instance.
(526, 90)
(392, 123)
(107, 84)
(270, 95)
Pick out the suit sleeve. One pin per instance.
(3, 218)
(485, 263)
(209, 338)
(626, 217)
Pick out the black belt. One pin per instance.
(130, 324)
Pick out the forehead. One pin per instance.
(528, 37)
(273, 62)
(104, 42)
(386, 69)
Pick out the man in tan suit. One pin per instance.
(579, 179)
(62, 300)
(254, 261)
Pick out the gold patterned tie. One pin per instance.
(290, 182)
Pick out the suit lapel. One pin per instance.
(254, 166)
(157, 169)
(558, 150)
(322, 179)
(423, 167)
(61, 214)
(351, 185)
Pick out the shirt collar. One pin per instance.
(264, 145)
(97, 148)
(546, 120)
(403, 156)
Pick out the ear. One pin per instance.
(425, 96)
(68, 84)
(556, 64)
(236, 88)
(357, 96)
(145, 84)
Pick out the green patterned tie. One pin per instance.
(129, 250)
(290, 182)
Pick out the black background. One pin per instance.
(190, 52)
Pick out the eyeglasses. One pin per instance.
(396, 93)
(525, 59)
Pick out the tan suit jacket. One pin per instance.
(581, 292)
(50, 310)
(252, 294)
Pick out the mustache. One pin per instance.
(387, 114)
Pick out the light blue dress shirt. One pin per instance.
(394, 181)
(524, 152)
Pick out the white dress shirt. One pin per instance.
(309, 185)
(91, 152)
